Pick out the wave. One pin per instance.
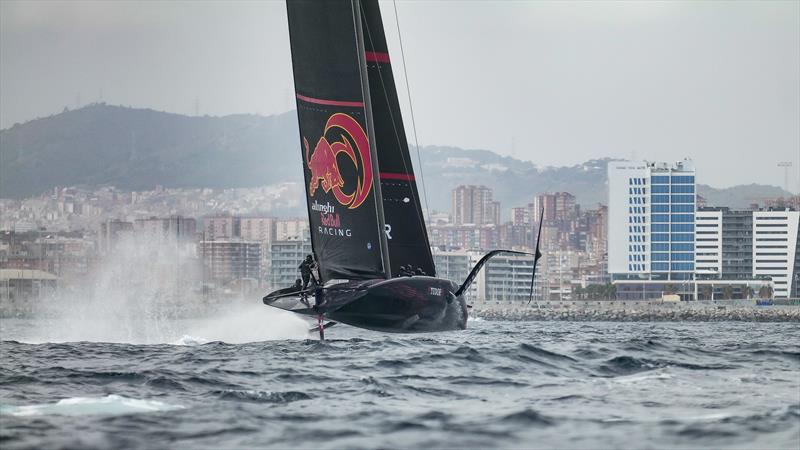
(114, 405)
(528, 417)
(190, 340)
(261, 396)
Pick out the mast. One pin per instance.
(362, 66)
(407, 237)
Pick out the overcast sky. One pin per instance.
(556, 83)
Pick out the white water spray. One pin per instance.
(147, 291)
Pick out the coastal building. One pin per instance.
(651, 233)
(775, 238)
(111, 231)
(455, 266)
(261, 229)
(474, 205)
(220, 227)
(504, 279)
(557, 207)
(708, 243)
(465, 237)
(724, 244)
(293, 228)
(651, 228)
(521, 215)
(452, 265)
(738, 249)
(19, 286)
(183, 228)
(231, 261)
(737, 244)
(285, 258)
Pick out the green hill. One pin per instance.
(137, 149)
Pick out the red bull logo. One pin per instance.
(324, 165)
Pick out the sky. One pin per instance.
(555, 83)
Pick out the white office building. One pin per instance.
(651, 209)
(775, 237)
(708, 243)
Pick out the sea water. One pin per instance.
(257, 379)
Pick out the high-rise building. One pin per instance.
(775, 237)
(221, 227)
(520, 216)
(473, 205)
(557, 207)
(183, 228)
(287, 229)
(111, 231)
(226, 261)
(466, 237)
(559, 214)
(492, 215)
(260, 229)
(651, 218)
(708, 243)
(724, 244)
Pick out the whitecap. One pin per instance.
(190, 340)
(114, 405)
(642, 377)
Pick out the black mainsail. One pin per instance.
(407, 236)
(340, 166)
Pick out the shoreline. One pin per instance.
(639, 311)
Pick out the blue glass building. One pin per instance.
(652, 220)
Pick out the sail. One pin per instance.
(407, 237)
(342, 192)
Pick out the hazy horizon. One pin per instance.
(556, 83)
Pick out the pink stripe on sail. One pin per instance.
(379, 57)
(320, 101)
(396, 176)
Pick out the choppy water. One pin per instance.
(498, 384)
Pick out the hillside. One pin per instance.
(139, 148)
(136, 149)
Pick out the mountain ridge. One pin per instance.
(139, 148)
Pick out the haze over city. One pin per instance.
(556, 83)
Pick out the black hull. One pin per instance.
(401, 305)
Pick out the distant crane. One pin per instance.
(786, 165)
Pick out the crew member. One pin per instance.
(305, 271)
